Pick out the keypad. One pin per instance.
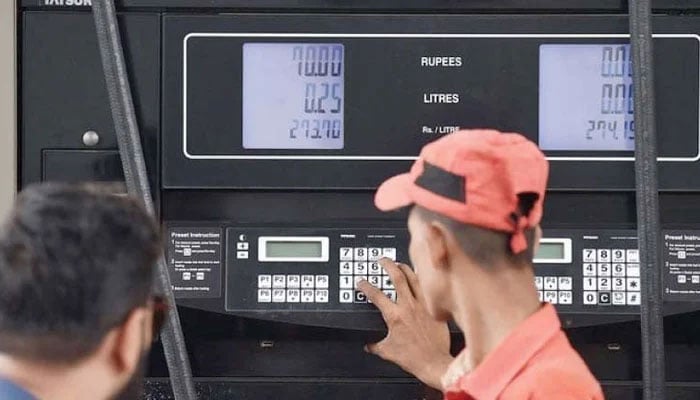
(361, 263)
(555, 289)
(611, 277)
(293, 288)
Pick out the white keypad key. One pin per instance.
(346, 296)
(346, 268)
(265, 281)
(279, 281)
(389, 252)
(242, 255)
(604, 269)
(633, 284)
(361, 268)
(391, 294)
(321, 281)
(619, 298)
(264, 295)
(375, 268)
(307, 281)
(566, 297)
(618, 255)
(633, 270)
(550, 283)
(695, 279)
(604, 283)
(347, 282)
(682, 278)
(634, 298)
(293, 281)
(540, 295)
(550, 296)
(361, 254)
(375, 281)
(321, 296)
(375, 253)
(618, 270)
(358, 278)
(619, 283)
(632, 256)
(590, 283)
(279, 295)
(589, 256)
(293, 295)
(590, 298)
(539, 282)
(387, 283)
(565, 283)
(346, 254)
(307, 296)
(604, 255)
(590, 269)
(242, 246)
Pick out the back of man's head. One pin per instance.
(74, 261)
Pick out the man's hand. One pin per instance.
(415, 341)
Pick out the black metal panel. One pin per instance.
(63, 92)
(82, 166)
(379, 5)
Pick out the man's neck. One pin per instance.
(45, 381)
(504, 298)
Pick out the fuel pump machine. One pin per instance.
(268, 125)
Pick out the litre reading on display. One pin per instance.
(586, 97)
(293, 95)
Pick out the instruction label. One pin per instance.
(194, 258)
(681, 257)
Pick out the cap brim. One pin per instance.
(394, 193)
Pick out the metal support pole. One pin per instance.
(647, 200)
(129, 141)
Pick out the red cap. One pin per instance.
(479, 177)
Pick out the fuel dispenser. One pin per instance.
(267, 127)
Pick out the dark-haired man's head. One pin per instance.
(442, 248)
(76, 273)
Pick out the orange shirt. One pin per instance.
(535, 362)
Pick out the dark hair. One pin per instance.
(484, 246)
(74, 261)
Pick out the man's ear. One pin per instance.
(438, 238)
(129, 341)
(537, 237)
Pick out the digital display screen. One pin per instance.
(586, 97)
(550, 251)
(293, 249)
(293, 95)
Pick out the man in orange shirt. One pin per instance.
(477, 201)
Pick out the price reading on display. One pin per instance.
(586, 97)
(293, 95)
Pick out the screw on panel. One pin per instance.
(91, 138)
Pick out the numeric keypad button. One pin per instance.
(604, 269)
(346, 296)
(361, 268)
(391, 294)
(387, 283)
(604, 284)
(633, 270)
(619, 284)
(375, 281)
(346, 282)
(590, 269)
(346, 268)
(346, 254)
(618, 255)
(633, 255)
(375, 268)
(589, 256)
(375, 254)
(358, 279)
(590, 298)
(361, 254)
(634, 298)
(604, 255)
(619, 298)
(618, 270)
(633, 285)
(264, 295)
(360, 297)
(389, 252)
(590, 283)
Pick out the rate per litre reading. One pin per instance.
(293, 95)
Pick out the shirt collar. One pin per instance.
(499, 367)
(11, 391)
